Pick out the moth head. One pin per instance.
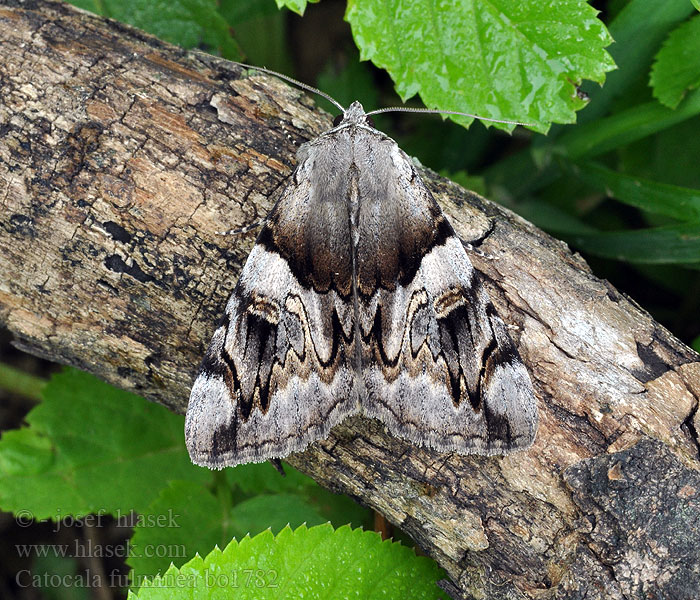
(354, 115)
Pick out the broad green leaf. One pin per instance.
(678, 244)
(651, 196)
(297, 6)
(198, 521)
(194, 519)
(188, 23)
(90, 447)
(23, 452)
(648, 20)
(517, 175)
(316, 562)
(506, 59)
(260, 30)
(635, 123)
(274, 512)
(677, 66)
(237, 12)
(262, 478)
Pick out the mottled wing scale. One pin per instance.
(358, 296)
(281, 368)
(438, 364)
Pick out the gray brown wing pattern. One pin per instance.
(357, 296)
(281, 368)
(438, 364)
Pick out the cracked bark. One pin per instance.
(120, 159)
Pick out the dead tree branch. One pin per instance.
(120, 159)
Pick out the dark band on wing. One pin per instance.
(393, 265)
(225, 438)
(314, 266)
(375, 333)
(261, 340)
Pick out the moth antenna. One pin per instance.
(305, 86)
(434, 111)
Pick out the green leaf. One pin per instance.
(648, 20)
(200, 520)
(195, 519)
(188, 23)
(274, 512)
(651, 196)
(677, 68)
(90, 447)
(260, 478)
(23, 452)
(297, 6)
(315, 562)
(603, 135)
(678, 244)
(263, 479)
(506, 59)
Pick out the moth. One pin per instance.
(358, 297)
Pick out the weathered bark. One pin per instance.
(120, 159)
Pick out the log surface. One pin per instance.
(120, 159)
